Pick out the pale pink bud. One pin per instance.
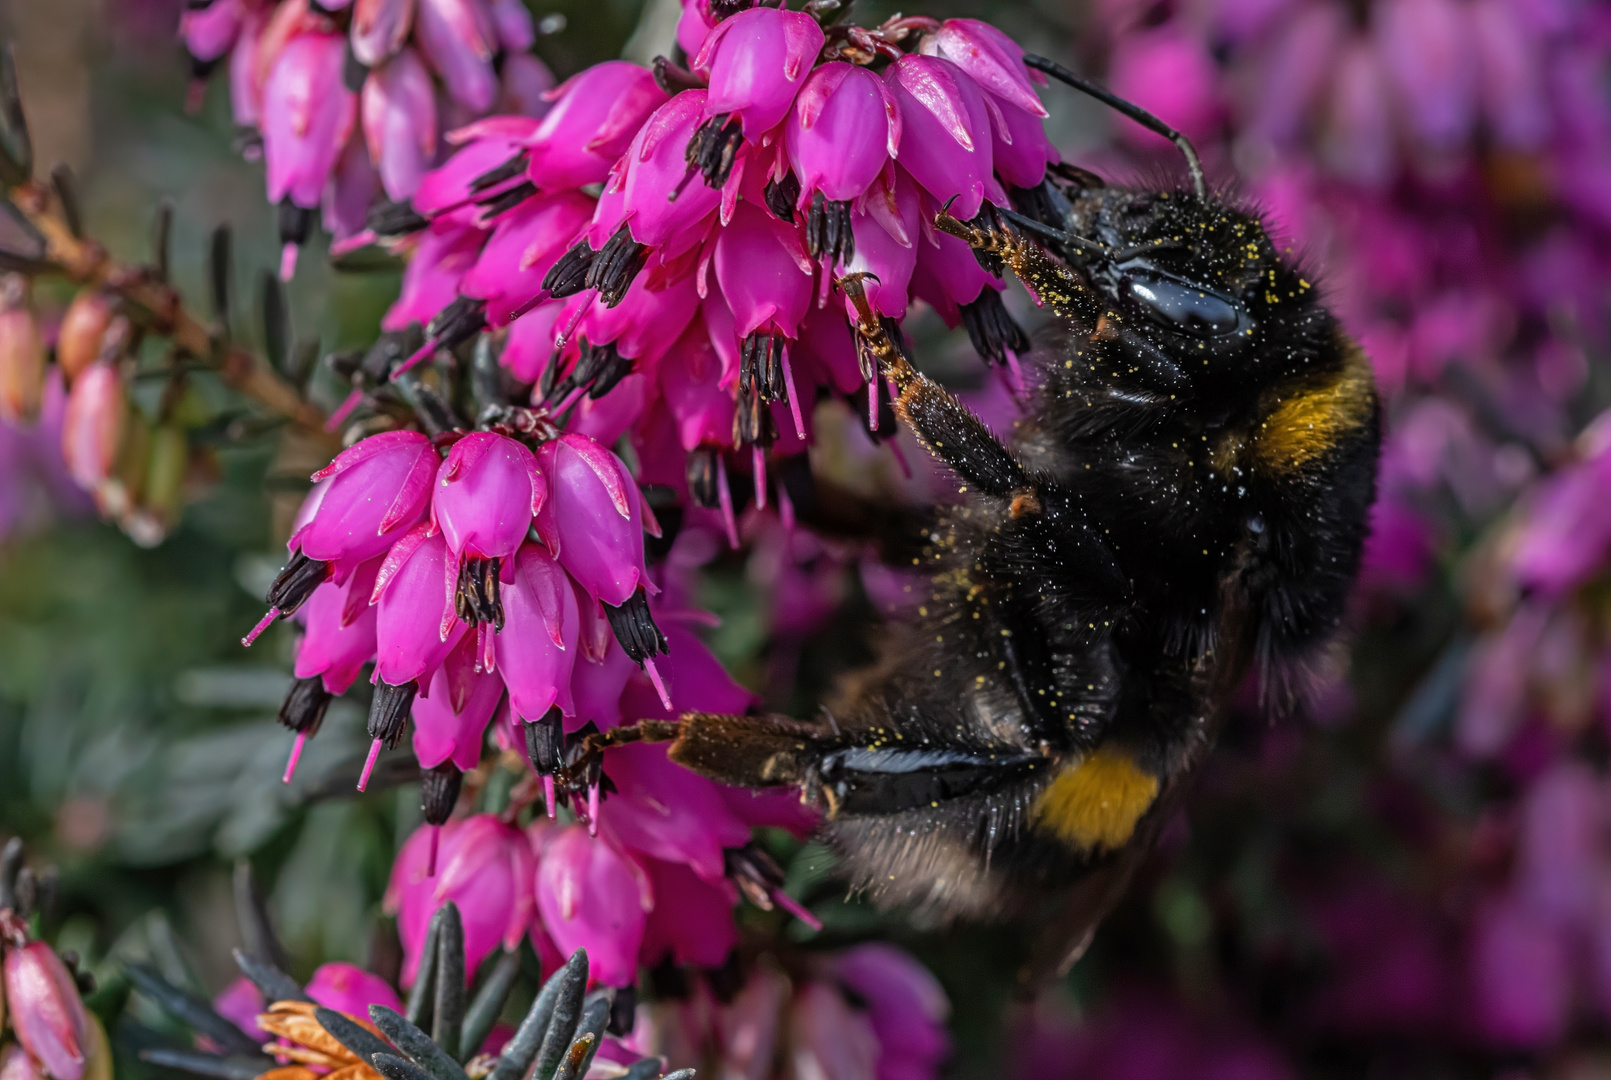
(487, 492)
(592, 896)
(595, 115)
(379, 29)
(537, 647)
(757, 61)
(92, 429)
(308, 113)
(82, 330)
(22, 354)
(378, 489)
(47, 1015)
(844, 128)
(946, 139)
(592, 521)
(399, 118)
(458, 38)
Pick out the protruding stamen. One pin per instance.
(548, 795)
(794, 398)
(264, 623)
(436, 839)
(288, 255)
(724, 496)
(369, 764)
(794, 907)
(758, 460)
(785, 508)
(593, 809)
(296, 756)
(344, 410)
(872, 404)
(659, 686)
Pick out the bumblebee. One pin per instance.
(1186, 501)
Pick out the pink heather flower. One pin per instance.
(513, 22)
(340, 635)
(459, 39)
(1566, 533)
(484, 866)
(350, 989)
(488, 490)
(844, 129)
(592, 896)
(646, 322)
(694, 25)
(888, 230)
(352, 190)
(308, 112)
(415, 627)
(536, 650)
(530, 344)
(378, 489)
(525, 243)
(240, 1003)
(946, 136)
(756, 61)
(15, 1064)
(1520, 976)
(450, 722)
(92, 429)
(1563, 819)
(905, 1005)
(399, 120)
(764, 273)
(830, 1038)
(210, 32)
(692, 920)
(592, 521)
(994, 61)
(446, 252)
(46, 1013)
(483, 146)
(690, 387)
(663, 811)
(245, 92)
(1358, 142)
(640, 189)
(1430, 58)
(1020, 149)
(695, 680)
(524, 85)
(597, 685)
(596, 114)
(946, 280)
(379, 29)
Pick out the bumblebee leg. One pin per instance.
(1053, 284)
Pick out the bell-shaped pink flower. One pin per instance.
(538, 645)
(512, 20)
(245, 92)
(240, 1003)
(353, 189)
(379, 29)
(945, 132)
(764, 272)
(398, 108)
(530, 344)
(487, 491)
(378, 489)
(483, 146)
(843, 130)
(663, 811)
(905, 1004)
(350, 989)
(92, 429)
(690, 385)
(694, 25)
(450, 722)
(830, 1038)
(888, 231)
(695, 681)
(596, 685)
(446, 252)
(210, 32)
(1566, 534)
(994, 61)
(947, 275)
(592, 521)
(757, 61)
(46, 1013)
(525, 243)
(647, 321)
(593, 896)
(16, 1064)
(308, 112)
(524, 85)
(483, 866)
(1020, 148)
(458, 38)
(648, 189)
(415, 625)
(340, 635)
(692, 918)
(595, 115)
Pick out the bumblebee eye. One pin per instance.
(1179, 305)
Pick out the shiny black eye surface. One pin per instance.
(1177, 304)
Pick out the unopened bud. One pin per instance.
(93, 426)
(165, 473)
(47, 1014)
(22, 353)
(83, 331)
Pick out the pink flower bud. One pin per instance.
(399, 118)
(487, 491)
(415, 627)
(379, 488)
(513, 23)
(648, 188)
(905, 1005)
(945, 132)
(450, 722)
(596, 113)
(764, 272)
(15, 1064)
(888, 230)
(524, 85)
(245, 92)
(692, 918)
(831, 1039)
(592, 521)
(458, 38)
(210, 32)
(844, 128)
(484, 866)
(592, 896)
(240, 1003)
(379, 29)
(994, 60)
(350, 989)
(690, 385)
(538, 645)
(22, 354)
(340, 636)
(525, 244)
(649, 318)
(308, 112)
(47, 1015)
(1019, 146)
(83, 330)
(757, 61)
(664, 811)
(445, 254)
(92, 430)
(353, 189)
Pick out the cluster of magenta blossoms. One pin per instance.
(656, 255)
(349, 101)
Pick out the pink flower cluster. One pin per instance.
(689, 304)
(350, 98)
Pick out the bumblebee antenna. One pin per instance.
(1135, 112)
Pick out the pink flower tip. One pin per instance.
(296, 756)
(659, 685)
(262, 625)
(369, 764)
(288, 255)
